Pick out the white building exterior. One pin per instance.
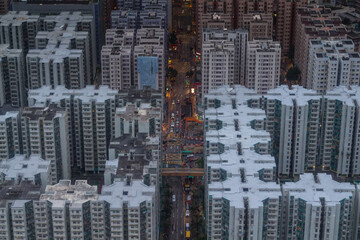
(12, 75)
(243, 201)
(45, 133)
(242, 197)
(10, 135)
(223, 57)
(91, 120)
(332, 63)
(25, 25)
(263, 60)
(317, 207)
(293, 120)
(54, 67)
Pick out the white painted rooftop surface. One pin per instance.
(236, 187)
(26, 168)
(133, 194)
(39, 97)
(5, 50)
(10, 114)
(311, 189)
(17, 18)
(254, 189)
(298, 93)
(246, 184)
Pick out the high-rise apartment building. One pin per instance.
(332, 63)
(263, 61)
(293, 120)
(285, 20)
(124, 210)
(313, 22)
(256, 16)
(128, 61)
(314, 132)
(241, 195)
(96, 10)
(24, 25)
(117, 58)
(10, 132)
(91, 121)
(223, 57)
(12, 77)
(116, 63)
(242, 199)
(14, 197)
(45, 132)
(317, 207)
(259, 25)
(64, 52)
(4, 6)
(213, 15)
(54, 67)
(124, 19)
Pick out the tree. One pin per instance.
(293, 74)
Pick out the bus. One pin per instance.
(187, 235)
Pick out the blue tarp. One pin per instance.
(148, 69)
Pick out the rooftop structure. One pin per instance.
(242, 197)
(22, 168)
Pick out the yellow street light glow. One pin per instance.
(192, 90)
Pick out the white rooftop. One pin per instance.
(26, 168)
(298, 93)
(133, 194)
(39, 97)
(311, 189)
(10, 114)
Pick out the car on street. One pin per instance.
(172, 115)
(187, 226)
(172, 130)
(173, 198)
(188, 197)
(172, 124)
(177, 130)
(187, 206)
(187, 213)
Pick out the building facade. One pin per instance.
(313, 22)
(12, 76)
(263, 61)
(45, 133)
(332, 63)
(91, 119)
(223, 57)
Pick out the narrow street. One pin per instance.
(177, 145)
